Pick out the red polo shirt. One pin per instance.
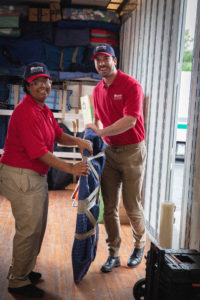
(31, 133)
(124, 97)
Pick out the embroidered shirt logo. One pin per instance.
(117, 97)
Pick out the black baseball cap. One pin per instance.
(35, 70)
(103, 49)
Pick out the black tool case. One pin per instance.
(170, 275)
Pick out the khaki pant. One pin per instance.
(27, 192)
(124, 168)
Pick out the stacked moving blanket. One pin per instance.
(63, 39)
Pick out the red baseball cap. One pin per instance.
(103, 49)
(36, 70)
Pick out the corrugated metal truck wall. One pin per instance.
(151, 45)
(190, 221)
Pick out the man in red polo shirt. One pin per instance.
(24, 164)
(118, 101)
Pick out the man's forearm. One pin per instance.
(66, 139)
(55, 162)
(118, 127)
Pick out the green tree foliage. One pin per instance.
(187, 60)
(188, 40)
(188, 52)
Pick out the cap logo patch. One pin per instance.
(99, 48)
(36, 69)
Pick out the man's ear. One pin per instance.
(115, 60)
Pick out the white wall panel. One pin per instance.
(152, 109)
(136, 40)
(190, 222)
(126, 49)
(155, 51)
(132, 44)
(140, 21)
(145, 35)
(156, 118)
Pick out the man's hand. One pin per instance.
(94, 128)
(84, 144)
(80, 169)
(120, 126)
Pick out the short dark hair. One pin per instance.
(25, 84)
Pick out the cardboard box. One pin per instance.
(87, 109)
(39, 14)
(55, 11)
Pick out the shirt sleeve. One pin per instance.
(32, 137)
(133, 101)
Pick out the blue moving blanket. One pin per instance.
(86, 235)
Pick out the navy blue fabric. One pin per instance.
(84, 251)
(4, 62)
(58, 180)
(16, 53)
(4, 104)
(37, 30)
(11, 70)
(78, 75)
(70, 37)
(88, 24)
(4, 89)
(4, 120)
(82, 68)
(53, 56)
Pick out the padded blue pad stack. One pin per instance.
(88, 24)
(72, 37)
(21, 52)
(84, 250)
(79, 76)
(4, 99)
(37, 30)
(61, 58)
(4, 120)
(4, 89)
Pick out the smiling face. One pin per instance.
(39, 89)
(106, 66)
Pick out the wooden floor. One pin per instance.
(54, 260)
